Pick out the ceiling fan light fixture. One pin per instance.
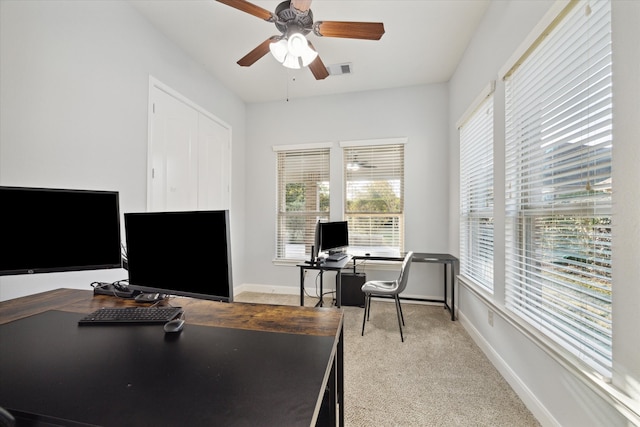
(297, 44)
(293, 52)
(279, 50)
(308, 56)
(281, 53)
(292, 62)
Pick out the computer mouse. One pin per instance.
(174, 325)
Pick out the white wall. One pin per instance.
(417, 113)
(557, 393)
(74, 81)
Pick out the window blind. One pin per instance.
(558, 189)
(374, 197)
(303, 199)
(476, 195)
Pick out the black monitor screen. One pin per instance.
(45, 230)
(333, 235)
(180, 253)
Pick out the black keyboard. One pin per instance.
(131, 315)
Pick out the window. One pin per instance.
(303, 199)
(558, 183)
(374, 197)
(476, 194)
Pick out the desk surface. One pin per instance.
(417, 257)
(259, 364)
(327, 265)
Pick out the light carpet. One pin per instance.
(437, 377)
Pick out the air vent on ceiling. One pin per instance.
(339, 69)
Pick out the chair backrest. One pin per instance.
(404, 272)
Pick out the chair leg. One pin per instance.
(369, 308)
(400, 320)
(400, 306)
(367, 302)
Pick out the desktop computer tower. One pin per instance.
(351, 284)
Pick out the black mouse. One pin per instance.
(174, 325)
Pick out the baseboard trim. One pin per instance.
(619, 401)
(266, 289)
(526, 395)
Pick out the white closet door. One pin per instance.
(213, 164)
(174, 176)
(189, 155)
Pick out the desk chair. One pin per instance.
(390, 289)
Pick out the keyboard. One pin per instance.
(336, 257)
(131, 315)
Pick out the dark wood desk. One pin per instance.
(445, 259)
(233, 364)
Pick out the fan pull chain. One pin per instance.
(293, 79)
(288, 76)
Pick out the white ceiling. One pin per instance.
(423, 43)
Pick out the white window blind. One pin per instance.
(303, 199)
(476, 195)
(558, 184)
(374, 197)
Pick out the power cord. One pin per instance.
(119, 289)
(317, 293)
(333, 299)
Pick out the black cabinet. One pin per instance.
(351, 284)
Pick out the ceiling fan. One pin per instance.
(356, 164)
(294, 20)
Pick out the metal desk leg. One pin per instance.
(321, 302)
(444, 265)
(302, 286)
(338, 290)
(453, 290)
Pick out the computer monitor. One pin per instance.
(185, 253)
(315, 247)
(51, 230)
(334, 236)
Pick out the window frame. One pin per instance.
(566, 297)
(313, 158)
(373, 151)
(476, 135)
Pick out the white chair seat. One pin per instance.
(379, 286)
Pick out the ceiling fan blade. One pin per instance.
(349, 30)
(318, 69)
(301, 5)
(251, 9)
(261, 50)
